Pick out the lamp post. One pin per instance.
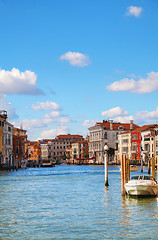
(106, 165)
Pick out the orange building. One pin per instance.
(34, 153)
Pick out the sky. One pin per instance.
(65, 64)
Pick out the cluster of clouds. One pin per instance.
(118, 114)
(46, 120)
(16, 82)
(143, 85)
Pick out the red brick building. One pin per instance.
(19, 145)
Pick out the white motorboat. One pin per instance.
(142, 186)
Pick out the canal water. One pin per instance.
(71, 202)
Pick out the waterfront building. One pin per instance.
(139, 143)
(148, 138)
(34, 153)
(20, 145)
(69, 159)
(59, 145)
(124, 145)
(6, 144)
(106, 133)
(46, 149)
(80, 151)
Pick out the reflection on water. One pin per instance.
(71, 202)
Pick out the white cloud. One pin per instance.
(48, 105)
(30, 124)
(134, 11)
(143, 85)
(147, 115)
(52, 114)
(38, 123)
(76, 59)
(65, 119)
(7, 106)
(89, 123)
(16, 82)
(113, 112)
(52, 133)
(123, 119)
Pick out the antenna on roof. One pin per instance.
(21, 127)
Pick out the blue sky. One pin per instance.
(66, 64)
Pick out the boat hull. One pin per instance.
(140, 190)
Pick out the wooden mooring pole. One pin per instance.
(148, 166)
(106, 165)
(122, 177)
(125, 172)
(157, 169)
(153, 168)
(128, 170)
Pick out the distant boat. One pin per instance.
(134, 168)
(47, 163)
(142, 186)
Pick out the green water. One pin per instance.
(71, 202)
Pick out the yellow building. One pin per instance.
(6, 143)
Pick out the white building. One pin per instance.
(106, 133)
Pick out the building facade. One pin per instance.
(106, 133)
(59, 145)
(19, 146)
(142, 143)
(6, 143)
(34, 153)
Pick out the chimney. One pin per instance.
(111, 127)
(131, 124)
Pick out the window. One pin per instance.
(134, 147)
(17, 150)
(125, 149)
(105, 135)
(116, 146)
(0, 123)
(9, 129)
(124, 141)
(17, 142)
(116, 135)
(134, 136)
(120, 127)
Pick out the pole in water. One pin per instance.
(157, 168)
(148, 166)
(141, 164)
(122, 176)
(106, 165)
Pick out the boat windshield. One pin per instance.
(135, 178)
(142, 178)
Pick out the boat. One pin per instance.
(134, 168)
(47, 163)
(142, 186)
